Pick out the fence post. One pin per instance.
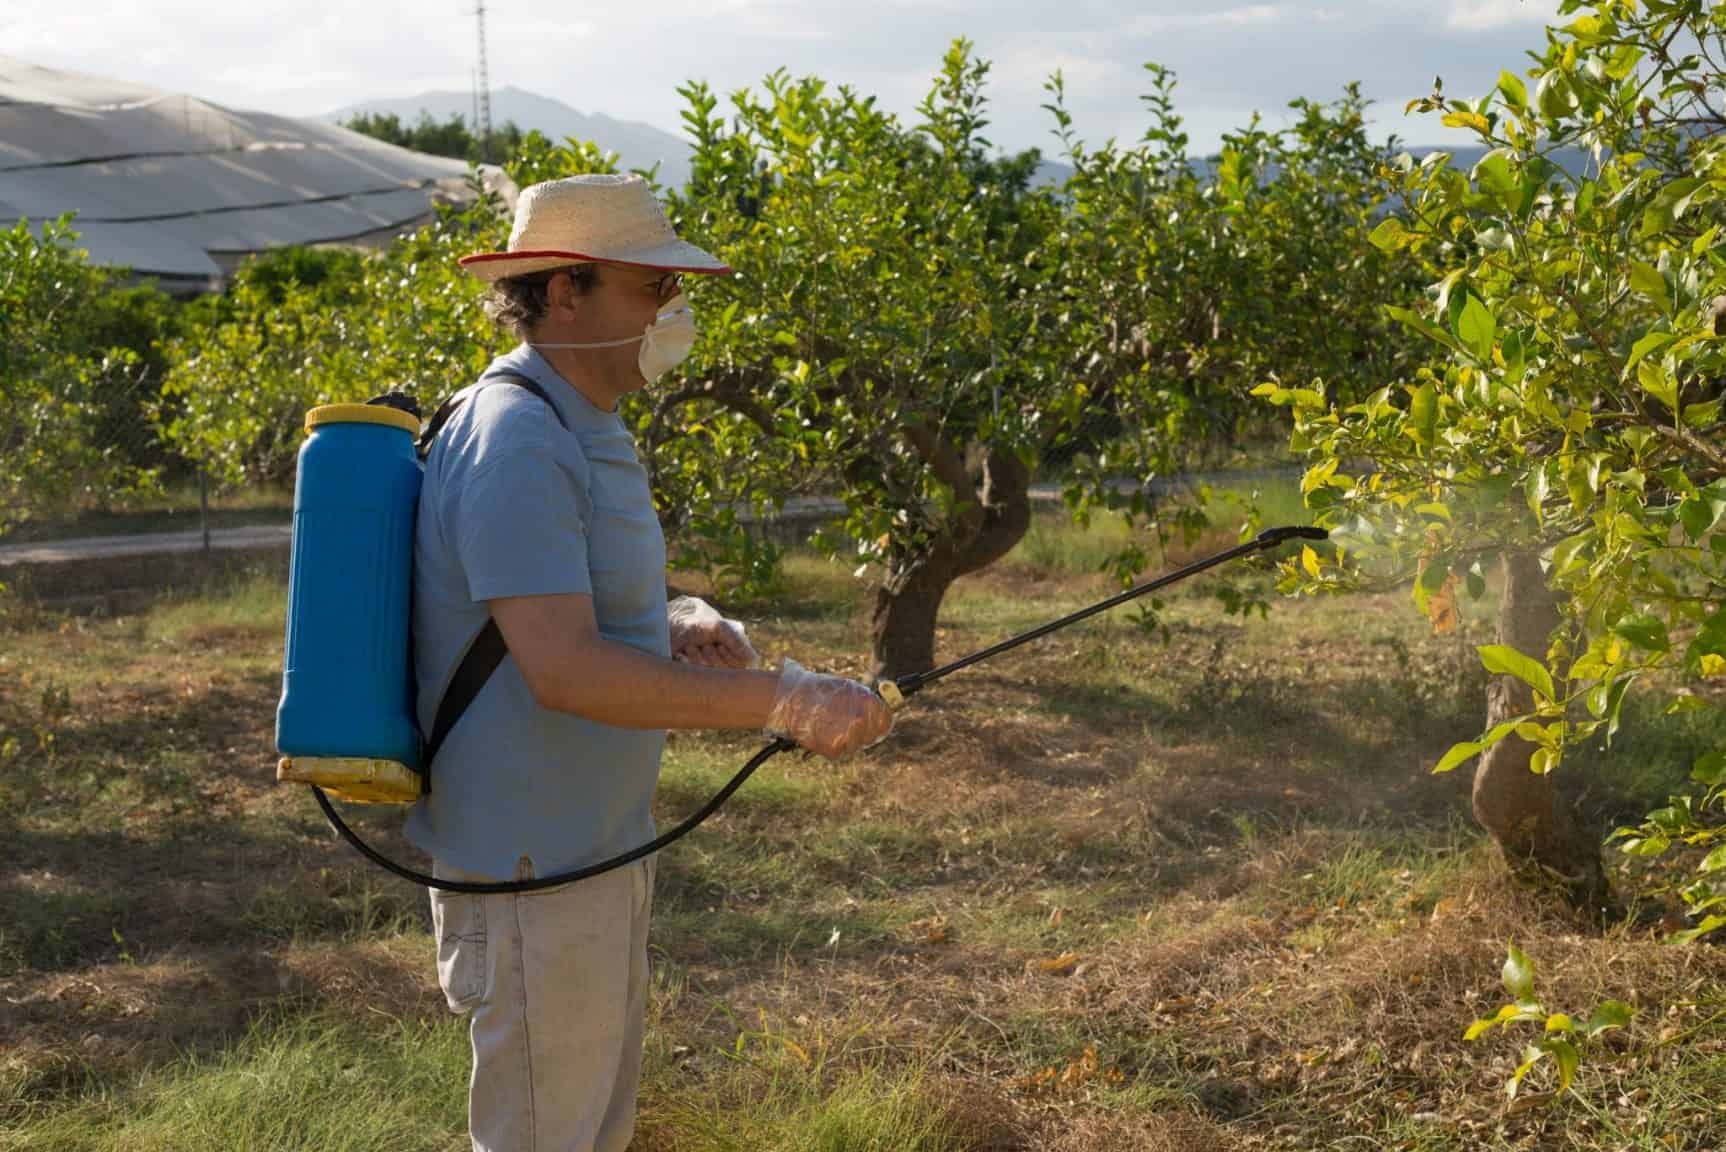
(204, 517)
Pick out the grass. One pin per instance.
(1189, 887)
(308, 1082)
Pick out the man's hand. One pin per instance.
(828, 715)
(700, 635)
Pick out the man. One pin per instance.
(544, 520)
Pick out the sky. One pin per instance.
(625, 58)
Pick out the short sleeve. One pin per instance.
(517, 523)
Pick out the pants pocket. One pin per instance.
(458, 922)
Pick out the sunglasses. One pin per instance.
(668, 285)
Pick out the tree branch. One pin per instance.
(1006, 510)
(943, 458)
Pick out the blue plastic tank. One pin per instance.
(346, 719)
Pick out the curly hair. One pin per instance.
(518, 303)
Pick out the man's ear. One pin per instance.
(560, 294)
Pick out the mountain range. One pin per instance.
(637, 145)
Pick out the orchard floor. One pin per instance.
(1111, 891)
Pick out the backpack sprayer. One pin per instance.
(346, 722)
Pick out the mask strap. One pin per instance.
(603, 344)
(667, 313)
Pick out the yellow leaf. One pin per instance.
(1441, 608)
(1713, 664)
(933, 930)
(1057, 965)
(1466, 120)
(1309, 561)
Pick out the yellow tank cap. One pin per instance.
(362, 414)
(356, 780)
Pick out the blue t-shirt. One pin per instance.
(514, 505)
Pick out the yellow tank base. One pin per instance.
(356, 780)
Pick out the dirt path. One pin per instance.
(147, 544)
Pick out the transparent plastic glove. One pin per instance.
(700, 635)
(828, 715)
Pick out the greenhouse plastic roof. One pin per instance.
(178, 188)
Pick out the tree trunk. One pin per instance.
(1536, 829)
(991, 520)
(904, 622)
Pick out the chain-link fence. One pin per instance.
(119, 475)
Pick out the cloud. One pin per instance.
(625, 58)
(1029, 68)
(1486, 15)
(1250, 14)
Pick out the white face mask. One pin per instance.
(665, 343)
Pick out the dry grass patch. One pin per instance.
(1180, 890)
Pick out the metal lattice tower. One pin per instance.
(482, 90)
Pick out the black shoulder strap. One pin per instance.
(448, 408)
(488, 648)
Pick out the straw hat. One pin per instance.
(591, 220)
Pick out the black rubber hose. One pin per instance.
(905, 686)
(541, 882)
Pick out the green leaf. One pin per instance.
(1653, 342)
(1657, 382)
(1701, 415)
(1710, 639)
(1714, 861)
(1434, 571)
(1421, 324)
(1690, 935)
(1646, 279)
(1423, 413)
(1502, 659)
(1476, 581)
(1669, 205)
(1564, 1052)
(1530, 1057)
(1519, 976)
(1389, 235)
(1495, 175)
(1458, 754)
(1514, 91)
(1505, 1015)
(1644, 631)
(1537, 488)
(1623, 61)
(1608, 1014)
(1710, 768)
(1615, 704)
(1699, 512)
(1477, 328)
(1554, 95)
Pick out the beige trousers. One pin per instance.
(556, 982)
